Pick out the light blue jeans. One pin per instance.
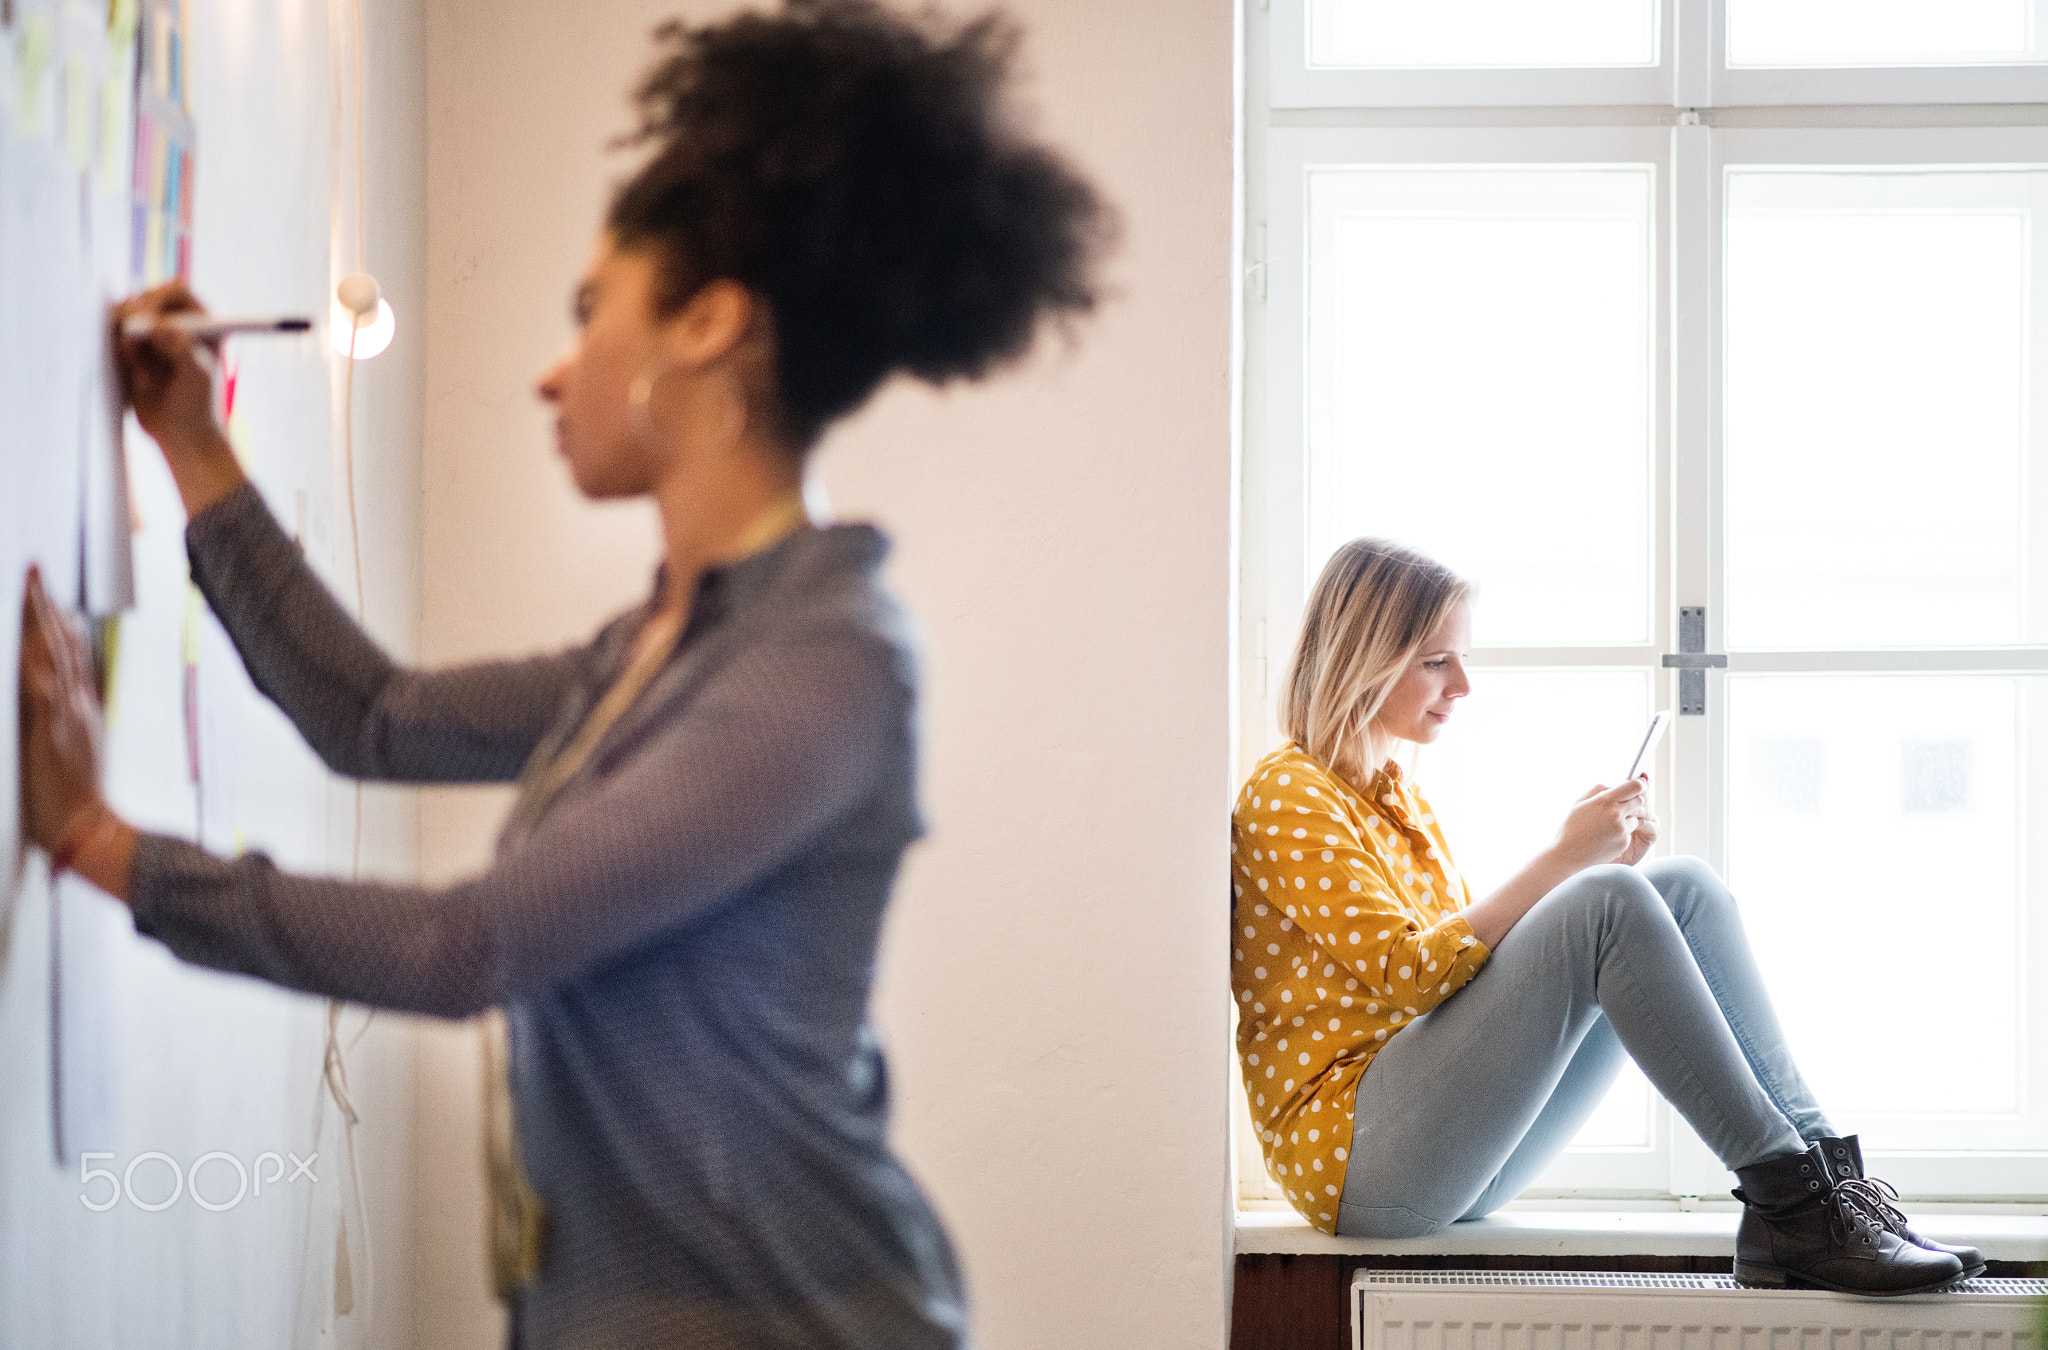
(1463, 1108)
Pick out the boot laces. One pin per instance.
(1847, 1221)
(1873, 1198)
(1860, 1208)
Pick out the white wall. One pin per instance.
(205, 1061)
(1054, 985)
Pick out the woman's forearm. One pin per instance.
(205, 470)
(1492, 917)
(108, 856)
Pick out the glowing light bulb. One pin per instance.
(359, 305)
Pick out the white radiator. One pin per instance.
(1527, 1310)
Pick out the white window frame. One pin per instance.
(1296, 117)
(1297, 85)
(1700, 817)
(1795, 86)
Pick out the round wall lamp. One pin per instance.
(360, 313)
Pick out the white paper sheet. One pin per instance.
(85, 933)
(64, 254)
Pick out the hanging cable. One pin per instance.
(360, 307)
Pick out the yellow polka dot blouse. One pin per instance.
(1345, 928)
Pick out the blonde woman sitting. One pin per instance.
(1414, 1056)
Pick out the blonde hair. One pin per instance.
(1373, 607)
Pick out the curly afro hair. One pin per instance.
(857, 169)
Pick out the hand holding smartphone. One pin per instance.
(1650, 739)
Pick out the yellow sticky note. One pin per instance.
(122, 17)
(109, 647)
(159, 168)
(78, 113)
(31, 70)
(153, 250)
(195, 606)
(239, 439)
(113, 117)
(153, 240)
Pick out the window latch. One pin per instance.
(1692, 661)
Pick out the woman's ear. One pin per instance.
(710, 325)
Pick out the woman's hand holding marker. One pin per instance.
(168, 375)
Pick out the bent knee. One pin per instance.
(1606, 882)
(1606, 891)
(1617, 876)
(1688, 885)
(1683, 870)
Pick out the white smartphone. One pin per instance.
(1650, 739)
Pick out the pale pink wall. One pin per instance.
(1054, 975)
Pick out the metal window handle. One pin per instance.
(1692, 661)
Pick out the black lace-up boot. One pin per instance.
(1800, 1228)
(1844, 1158)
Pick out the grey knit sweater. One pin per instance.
(683, 941)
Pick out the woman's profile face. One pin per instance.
(590, 386)
(1421, 700)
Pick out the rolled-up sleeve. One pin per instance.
(775, 747)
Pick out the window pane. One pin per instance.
(1489, 328)
(1873, 843)
(1517, 753)
(1880, 32)
(1624, 1117)
(1401, 34)
(1878, 381)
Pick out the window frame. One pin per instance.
(1705, 158)
(1296, 84)
(1794, 86)
(1706, 119)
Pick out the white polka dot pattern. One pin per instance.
(1363, 971)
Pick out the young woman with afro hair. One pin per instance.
(677, 937)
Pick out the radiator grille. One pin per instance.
(1591, 1310)
(1593, 1279)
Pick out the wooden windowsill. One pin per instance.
(1602, 1233)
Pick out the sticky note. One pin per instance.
(108, 633)
(153, 250)
(78, 113)
(239, 438)
(195, 610)
(151, 158)
(113, 145)
(138, 239)
(159, 170)
(177, 53)
(7, 100)
(160, 50)
(31, 73)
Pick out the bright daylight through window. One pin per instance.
(1754, 330)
